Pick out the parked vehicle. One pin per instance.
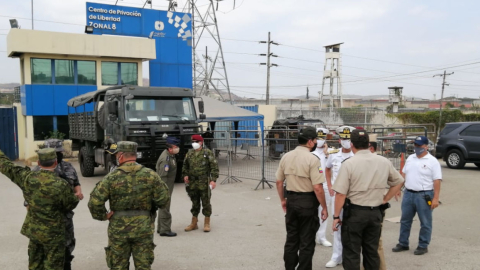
(459, 143)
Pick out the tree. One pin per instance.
(449, 105)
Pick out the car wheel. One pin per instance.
(455, 159)
(477, 164)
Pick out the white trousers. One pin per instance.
(330, 201)
(337, 236)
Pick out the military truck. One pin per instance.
(282, 136)
(145, 115)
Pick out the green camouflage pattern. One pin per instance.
(47, 154)
(126, 146)
(41, 256)
(168, 176)
(55, 144)
(200, 195)
(201, 163)
(201, 167)
(49, 198)
(129, 187)
(118, 253)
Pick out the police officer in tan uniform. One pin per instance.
(359, 188)
(304, 177)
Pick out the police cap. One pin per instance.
(173, 141)
(47, 154)
(360, 135)
(308, 133)
(55, 144)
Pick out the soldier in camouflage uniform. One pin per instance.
(200, 173)
(134, 194)
(49, 198)
(65, 171)
(167, 170)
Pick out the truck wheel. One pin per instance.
(87, 163)
(455, 159)
(101, 116)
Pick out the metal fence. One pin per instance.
(247, 153)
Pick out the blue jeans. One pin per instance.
(415, 203)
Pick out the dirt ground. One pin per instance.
(248, 230)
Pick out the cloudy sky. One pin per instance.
(386, 43)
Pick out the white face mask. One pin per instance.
(346, 144)
(320, 143)
(196, 145)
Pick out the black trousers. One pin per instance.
(302, 224)
(361, 231)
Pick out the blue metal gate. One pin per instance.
(8, 132)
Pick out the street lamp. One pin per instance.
(88, 29)
(14, 23)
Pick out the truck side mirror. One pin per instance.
(203, 116)
(113, 108)
(201, 107)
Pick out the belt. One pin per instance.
(417, 191)
(131, 213)
(301, 193)
(354, 206)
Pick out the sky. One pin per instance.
(386, 43)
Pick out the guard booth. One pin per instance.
(8, 132)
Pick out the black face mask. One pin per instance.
(314, 147)
(59, 157)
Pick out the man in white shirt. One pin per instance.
(321, 152)
(423, 176)
(332, 167)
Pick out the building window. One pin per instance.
(42, 126)
(62, 125)
(64, 72)
(129, 73)
(41, 71)
(86, 72)
(109, 73)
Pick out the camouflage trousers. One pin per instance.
(119, 250)
(69, 243)
(43, 257)
(200, 197)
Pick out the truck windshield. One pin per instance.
(159, 109)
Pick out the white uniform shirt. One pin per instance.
(334, 162)
(421, 172)
(321, 155)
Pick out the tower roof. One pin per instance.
(333, 45)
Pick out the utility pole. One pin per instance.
(444, 75)
(269, 65)
(308, 93)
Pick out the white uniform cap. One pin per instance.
(322, 132)
(344, 131)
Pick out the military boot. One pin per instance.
(193, 225)
(206, 226)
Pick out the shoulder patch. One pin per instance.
(320, 170)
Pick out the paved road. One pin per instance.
(248, 230)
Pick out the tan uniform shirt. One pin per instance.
(364, 176)
(301, 170)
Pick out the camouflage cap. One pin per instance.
(47, 154)
(54, 143)
(126, 146)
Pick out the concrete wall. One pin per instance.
(20, 41)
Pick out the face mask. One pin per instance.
(346, 144)
(320, 143)
(59, 157)
(175, 150)
(195, 145)
(419, 150)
